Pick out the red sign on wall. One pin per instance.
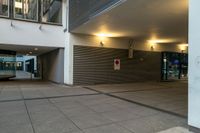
(117, 64)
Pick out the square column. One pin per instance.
(194, 64)
(68, 61)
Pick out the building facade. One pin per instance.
(78, 42)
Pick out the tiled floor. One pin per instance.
(176, 130)
(169, 96)
(16, 90)
(41, 107)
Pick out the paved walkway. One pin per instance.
(20, 90)
(24, 75)
(42, 107)
(176, 130)
(167, 96)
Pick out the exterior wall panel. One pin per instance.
(194, 64)
(52, 66)
(93, 65)
(30, 34)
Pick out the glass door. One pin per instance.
(174, 66)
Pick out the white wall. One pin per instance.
(28, 33)
(88, 40)
(121, 43)
(194, 63)
(52, 65)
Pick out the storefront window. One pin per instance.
(26, 9)
(52, 11)
(4, 8)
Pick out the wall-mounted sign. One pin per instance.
(117, 64)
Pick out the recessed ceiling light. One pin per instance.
(161, 41)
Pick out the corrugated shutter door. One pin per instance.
(94, 65)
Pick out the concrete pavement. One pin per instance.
(43, 107)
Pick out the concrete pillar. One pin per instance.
(68, 62)
(68, 55)
(194, 64)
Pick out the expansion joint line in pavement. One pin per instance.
(138, 103)
(29, 117)
(51, 97)
(66, 117)
(27, 111)
(137, 90)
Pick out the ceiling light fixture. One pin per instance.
(102, 43)
(161, 41)
(183, 47)
(104, 35)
